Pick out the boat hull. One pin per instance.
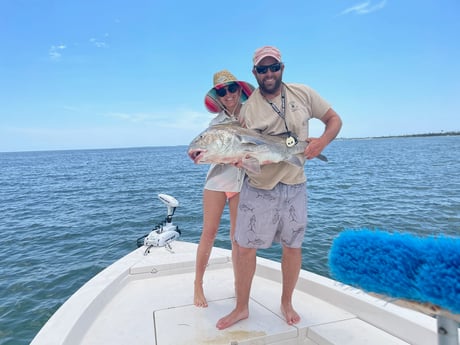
(148, 299)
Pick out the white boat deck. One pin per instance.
(149, 300)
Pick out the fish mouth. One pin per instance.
(196, 155)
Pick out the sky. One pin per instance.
(92, 74)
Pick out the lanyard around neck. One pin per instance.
(281, 113)
(283, 105)
(291, 139)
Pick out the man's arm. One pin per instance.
(333, 123)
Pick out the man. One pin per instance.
(273, 204)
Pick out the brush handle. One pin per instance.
(447, 331)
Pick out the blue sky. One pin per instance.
(109, 73)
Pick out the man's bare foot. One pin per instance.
(232, 318)
(290, 314)
(198, 297)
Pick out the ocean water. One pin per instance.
(66, 215)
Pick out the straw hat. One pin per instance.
(221, 79)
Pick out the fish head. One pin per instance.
(211, 145)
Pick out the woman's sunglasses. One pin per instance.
(232, 88)
(273, 68)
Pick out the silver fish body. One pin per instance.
(231, 143)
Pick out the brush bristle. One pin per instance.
(399, 265)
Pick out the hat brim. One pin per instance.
(211, 101)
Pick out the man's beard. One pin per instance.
(271, 90)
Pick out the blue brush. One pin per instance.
(397, 265)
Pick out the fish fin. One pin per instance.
(251, 164)
(247, 139)
(322, 157)
(294, 160)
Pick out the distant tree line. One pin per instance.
(422, 134)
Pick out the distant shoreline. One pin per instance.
(437, 134)
(450, 133)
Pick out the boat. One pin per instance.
(146, 297)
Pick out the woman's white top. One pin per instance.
(224, 177)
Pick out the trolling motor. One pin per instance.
(164, 233)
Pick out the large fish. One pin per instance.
(230, 143)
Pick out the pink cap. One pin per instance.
(264, 52)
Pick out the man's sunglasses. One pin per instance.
(232, 88)
(273, 68)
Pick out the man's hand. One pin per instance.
(333, 123)
(314, 148)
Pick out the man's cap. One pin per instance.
(266, 51)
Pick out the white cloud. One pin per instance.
(364, 8)
(55, 52)
(132, 117)
(99, 44)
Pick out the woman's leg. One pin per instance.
(213, 206)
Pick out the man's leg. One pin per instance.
(244, 273)
(233, 207)
(290, 264)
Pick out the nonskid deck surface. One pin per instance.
(177, 321)
(149, 300)
(159, 309)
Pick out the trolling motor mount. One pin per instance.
(166, 232)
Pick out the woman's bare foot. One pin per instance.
(290, 314)
(198, 297)
(232, 318)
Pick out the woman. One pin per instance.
(223, 182)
